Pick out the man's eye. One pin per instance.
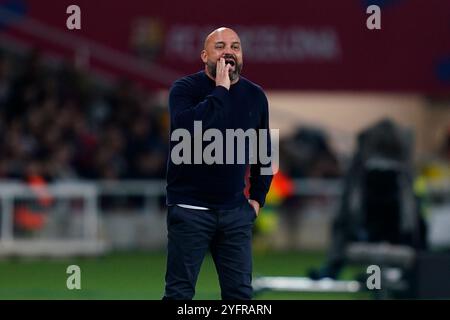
(219, 47)
(236, 47)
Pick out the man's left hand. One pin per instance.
(255, 205)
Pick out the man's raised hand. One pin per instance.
(222, 74)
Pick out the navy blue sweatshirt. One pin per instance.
(217, 186)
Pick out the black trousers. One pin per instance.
(226, 233)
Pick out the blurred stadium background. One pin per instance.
(84, 123)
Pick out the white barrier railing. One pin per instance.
(87, 217)
(87, 241)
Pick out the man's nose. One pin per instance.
(227, 50)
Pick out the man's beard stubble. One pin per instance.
(233, 74)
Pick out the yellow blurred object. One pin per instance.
(437, 171)
(420, 185)
(267, 221)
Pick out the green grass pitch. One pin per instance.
(140, 275)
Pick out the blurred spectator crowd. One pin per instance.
(59, 123)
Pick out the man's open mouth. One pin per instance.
(230, 61)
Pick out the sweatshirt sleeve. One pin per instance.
(184, 109)
(260, 183)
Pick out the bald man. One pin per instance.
(207, 207)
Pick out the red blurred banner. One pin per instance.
(301, 45)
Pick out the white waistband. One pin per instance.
(188, 206)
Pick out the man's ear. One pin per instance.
(204, 56)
